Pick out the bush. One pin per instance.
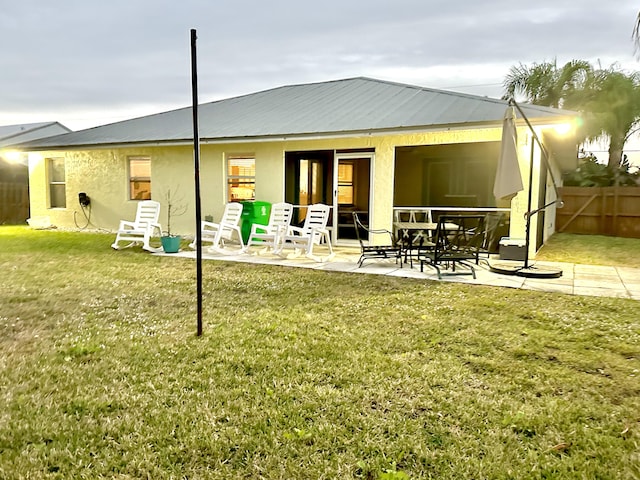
(590, 173)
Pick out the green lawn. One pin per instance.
(301, 374)
(592, 250)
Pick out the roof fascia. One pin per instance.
(302, 136)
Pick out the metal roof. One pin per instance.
(340, 107)
(14, 134)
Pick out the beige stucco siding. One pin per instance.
(102, 174)
(99, 173)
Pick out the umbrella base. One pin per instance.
(517, 268)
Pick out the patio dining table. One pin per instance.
(408, 234)
(406, 229)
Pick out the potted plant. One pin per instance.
(175, 207)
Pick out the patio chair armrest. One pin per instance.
(209, 225)
(153, 226)
(383, 231)
(318, 233)
(258, 226)
(321, 231)
(295, 230)
(126, 224)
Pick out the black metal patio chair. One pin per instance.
(492, 223)
(457, 242)
(390, 249)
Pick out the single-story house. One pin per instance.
(355, 144)
(14, 173)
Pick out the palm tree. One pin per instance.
(635, 35)
(611, 99)
(545, 83)
(608, 98)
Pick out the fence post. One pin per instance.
(615, 210)
(603, 229)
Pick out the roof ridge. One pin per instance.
(533, 106)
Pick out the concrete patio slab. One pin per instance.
(542, 287)
(589, 280)
(601, 292)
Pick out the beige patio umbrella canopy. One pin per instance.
(508, 180)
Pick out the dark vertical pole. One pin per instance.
(529, 201)
(196, 161)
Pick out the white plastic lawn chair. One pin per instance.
(270, 236)
(142, 228)
(218, 233)
(313, 232)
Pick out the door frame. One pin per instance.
(292, 161)
(338, 156)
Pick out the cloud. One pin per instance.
(101, 59)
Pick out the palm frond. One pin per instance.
(635, 36)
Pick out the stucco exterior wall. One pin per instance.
(519, 202)
(519, 205)
(102, 174)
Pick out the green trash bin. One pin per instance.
(253, 212)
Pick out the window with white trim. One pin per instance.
(345, 183)
(241, 178)
(57, 183)
(139, 170)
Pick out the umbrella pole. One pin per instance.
(527, 229)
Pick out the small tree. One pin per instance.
(175, 205)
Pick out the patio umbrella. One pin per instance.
(508, 180)
(508, 183)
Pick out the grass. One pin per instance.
(591, 250)
(301, 374)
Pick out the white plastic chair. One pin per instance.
(142, 228)
(269, 236)
(217, 233)
(313, 232)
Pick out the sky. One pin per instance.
(92, 62)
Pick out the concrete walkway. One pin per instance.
(592, 280)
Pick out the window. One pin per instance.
(139, 178)
(57, 185)
(345, 183)
(241, 178)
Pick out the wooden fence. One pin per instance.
(14, 203)
(611, 211)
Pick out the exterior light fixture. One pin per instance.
(562, 128)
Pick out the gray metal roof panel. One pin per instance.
(334, 107)
(11, 130)
(16, 134)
